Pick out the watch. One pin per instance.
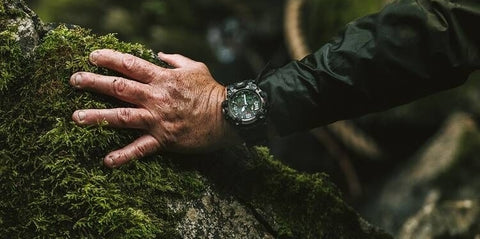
(246, 109)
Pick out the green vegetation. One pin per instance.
(54, 186)
(305, 205)
(51, 180)
(10, 52)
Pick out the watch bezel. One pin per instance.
(237, 88)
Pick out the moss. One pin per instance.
(10, 51)
(303, 202)
(53, 183)
(10, 54)
(11, 9)
(295, 205)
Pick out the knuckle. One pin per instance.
(150, 72)
(129, 62)
(119, 85)
(124, 116)
(172, 133)
(201, 65)
(161, 99)
(89, 79)
(147, 120)
(161, 73)
(169, 140)
(176, 76)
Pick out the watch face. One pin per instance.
(245, 105)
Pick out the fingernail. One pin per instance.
(77, 79)
(81, 115)
(94, 56)
(109, 161)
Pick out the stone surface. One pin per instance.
(421, 189)
(214, 216)
(449, 219)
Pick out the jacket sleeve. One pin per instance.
(410, 49)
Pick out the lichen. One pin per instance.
(10, 8)
(10, 51)
(10, 54)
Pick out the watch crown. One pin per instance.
(240, 84)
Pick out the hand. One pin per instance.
(179, 109)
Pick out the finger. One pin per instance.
(118, 87)
(140, 148)
(175, 60)
(129, 65)
(133, 118)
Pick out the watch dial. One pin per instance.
(245, 105)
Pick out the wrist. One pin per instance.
(245, 111)
(230, 135)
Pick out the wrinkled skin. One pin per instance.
(179, 109)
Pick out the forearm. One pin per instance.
(408, 50)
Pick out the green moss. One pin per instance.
(10, 51)
(10, 54)
(291, 204)
(53, 184)
(305, 203)
(10, 8)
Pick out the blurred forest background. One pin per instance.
(236, 39)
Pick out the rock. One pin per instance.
(53, 185)
(214, 216)
(29, 26)
(450, 219)
(419, 182)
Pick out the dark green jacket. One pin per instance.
(410, 49)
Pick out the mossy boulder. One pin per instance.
(53, 184)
